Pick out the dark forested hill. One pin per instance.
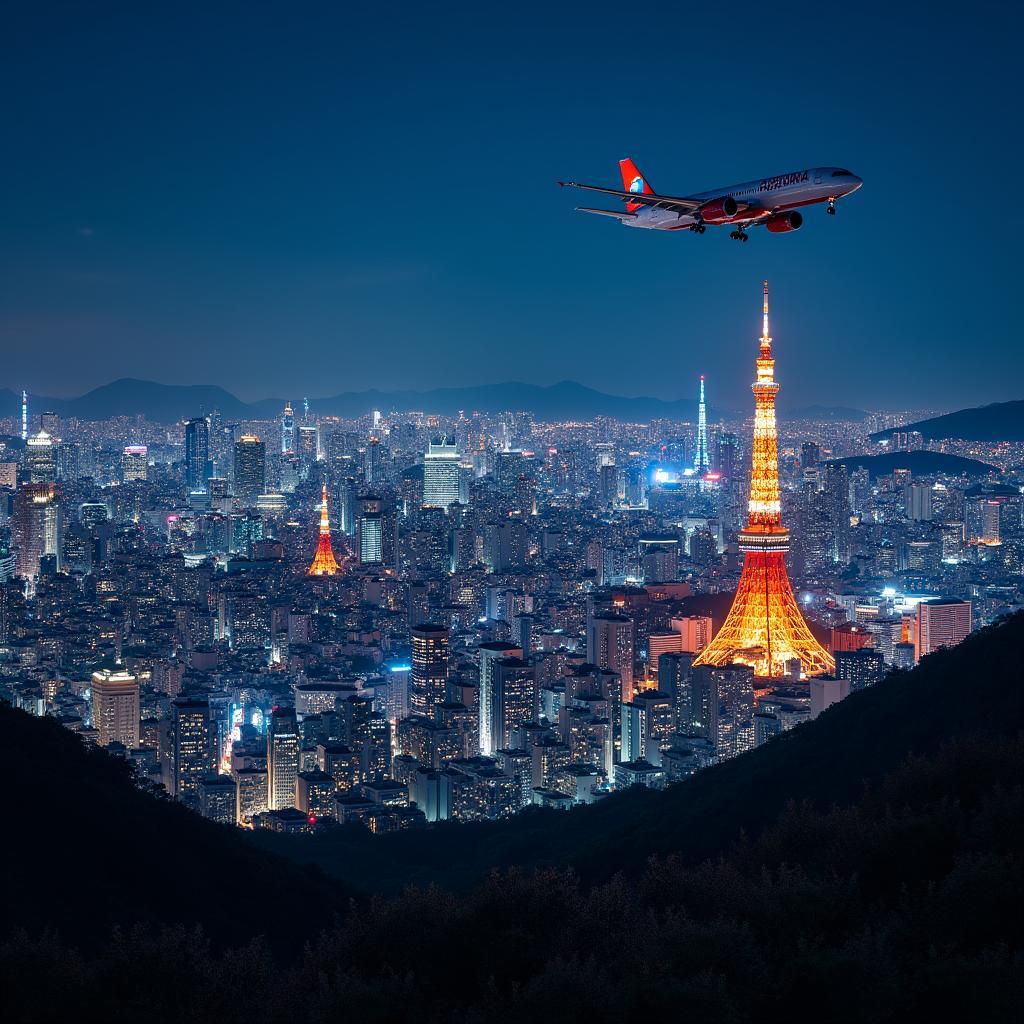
(864, 867)
(920, 463)
(972, 689)
(1001, 421)
(83, 850)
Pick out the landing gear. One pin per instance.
(740, 235)
(832, 207)
(698, 228)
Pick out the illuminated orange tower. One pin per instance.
(324, 562)
(764, 627)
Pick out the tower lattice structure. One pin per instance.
(701, 462)
(764, 627)
(324, 562)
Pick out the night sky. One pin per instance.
(365, 197)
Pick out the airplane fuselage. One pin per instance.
(787, 191)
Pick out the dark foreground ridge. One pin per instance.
(973, 689)
(824, 876)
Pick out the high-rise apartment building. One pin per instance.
(514, 702)
(429, 683)
(489, 655)
(611, 645)
(722, 703)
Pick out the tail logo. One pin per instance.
(637, 184)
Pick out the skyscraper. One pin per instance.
(35, 527)
(186, 749)
(250, 469)
(440, 475)
(282, 758)
(943, 622)
(324, 562)
(429, 683)
(287, 431)
(701, 462)
(764, 627)
(24, 415)
(611, 645)
(514, 699)
(490, 654)
(197, 454)
(114, 695)
(134, 463)
(40, 460)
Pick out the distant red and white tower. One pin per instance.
(324, 562)
(764, 627)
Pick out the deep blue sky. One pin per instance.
(315, 198)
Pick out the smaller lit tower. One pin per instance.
(701, 462)
(324, 562)
(24, 415)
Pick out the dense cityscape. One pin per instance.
(305, 622)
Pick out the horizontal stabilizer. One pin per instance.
(617, 214)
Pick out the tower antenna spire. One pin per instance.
(765, 337)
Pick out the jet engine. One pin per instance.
(717, 210)
(791, 220)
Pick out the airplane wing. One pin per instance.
(617, 214)
(680, 205)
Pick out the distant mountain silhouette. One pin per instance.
(1001, 421)
(167, 403)
(163, 403)
(920, 463)
(823, 412)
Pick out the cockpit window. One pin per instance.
(842, 173)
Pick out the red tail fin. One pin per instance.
(633, 181)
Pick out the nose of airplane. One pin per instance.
(855, 182)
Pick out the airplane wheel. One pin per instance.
(744, 237)
(832, 211)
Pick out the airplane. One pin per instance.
(771, 202)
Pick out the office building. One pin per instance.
(114, 695)
(197, 454)
(250, 469)
(282, 758)
(36, 528)
(441, 475)
(134, 463)
(940, 623)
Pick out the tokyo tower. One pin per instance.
(324, 562)
(764, 627)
